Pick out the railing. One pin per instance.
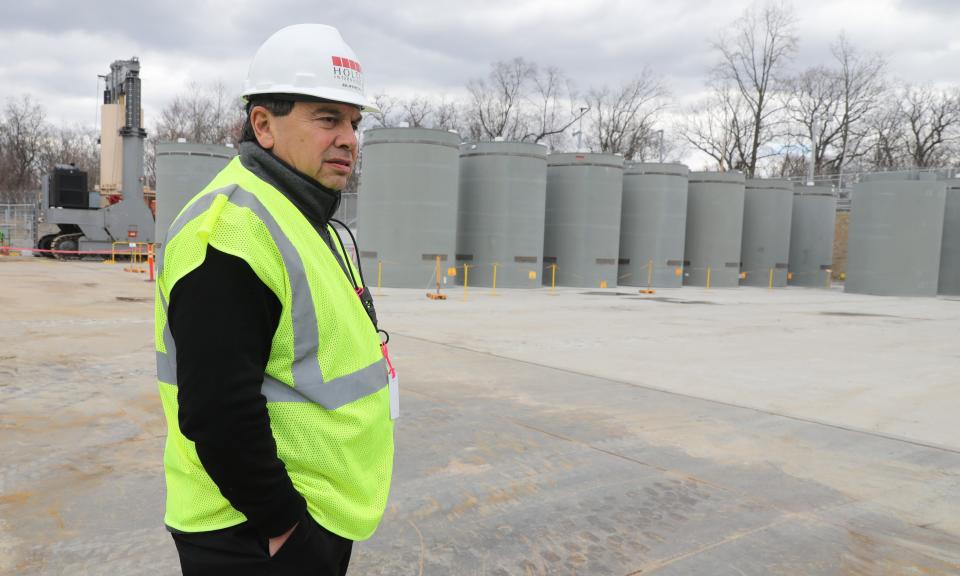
(18, 224)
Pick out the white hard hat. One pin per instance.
(309, 60)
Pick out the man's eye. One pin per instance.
(356, 126)
(327, 119)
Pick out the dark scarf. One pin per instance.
(317, 202)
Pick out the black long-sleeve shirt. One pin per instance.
(223, 318)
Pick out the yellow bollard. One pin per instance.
(379, 274)
(553, 279)
(649, 289)
(466, 279)
(771, 279)
(437, 295)
(494, 292)
(708, 279)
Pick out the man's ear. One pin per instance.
(262, 122)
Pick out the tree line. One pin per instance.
(30, 145)
(760, 114)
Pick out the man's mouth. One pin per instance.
(340, 164)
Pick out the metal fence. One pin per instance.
(842, 184)
(18, 225)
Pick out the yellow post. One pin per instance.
(494, 292)
(553, 278)
(649, 289)
(708, 278)
(437, 295)
(466, 279)
(379, 274)
(771, 279)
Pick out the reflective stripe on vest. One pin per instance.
(308, 382)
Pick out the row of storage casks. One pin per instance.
(600, 223)
(578, 219)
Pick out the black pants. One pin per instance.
(241, 551)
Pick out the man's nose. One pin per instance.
(346, 138)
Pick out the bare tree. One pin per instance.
(623, 118)
(918, 127)
(886, 135)
(24, 138)
(830, 106)
(416, 111)
(77, 145)
(203, 114)
(550, 107)
(496, 101)
(521, 101)
(814, 102)
(447, 114)
(753, 55)
(791, 165)
(206, 115)
(931, 119)
(863, 85)
(385, 114)
(721, 128)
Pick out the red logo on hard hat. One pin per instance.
(346, 63)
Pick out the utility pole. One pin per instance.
(660, 135)
(579, 132)
(813, 152)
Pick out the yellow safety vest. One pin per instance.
(326, 377)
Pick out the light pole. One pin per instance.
(579, 132)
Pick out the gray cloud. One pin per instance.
(949, 7)
(433, 46)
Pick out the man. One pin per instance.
(273, 379)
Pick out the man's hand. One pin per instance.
(276, 542)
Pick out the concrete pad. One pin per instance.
(517, 453)
(880, 364)
(512, 468)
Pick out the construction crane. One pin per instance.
(119, 211)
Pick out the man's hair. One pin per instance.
(278, 106)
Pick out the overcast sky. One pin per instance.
(54, 50)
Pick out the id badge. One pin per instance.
(393, 384)
(394, 395)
